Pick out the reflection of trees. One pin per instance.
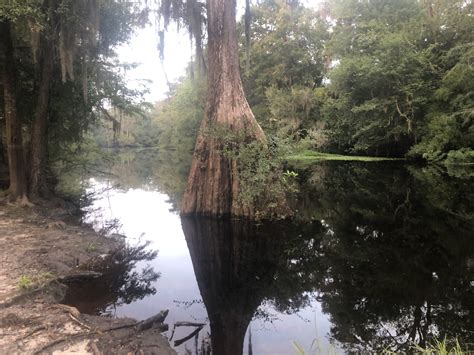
(120, 283)
(237, 265)
(390, 261)
(389, 264)
(230, 263)
(163, 170)
(394, 260)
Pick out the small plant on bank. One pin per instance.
(28, 282)
(91, 247)
(438, 347)
(314, 349)
(290, 174)
(25, 282)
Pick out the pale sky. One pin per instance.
(143, 49)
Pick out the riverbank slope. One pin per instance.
(38, 251)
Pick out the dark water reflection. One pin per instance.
(238, 265)
(385, 250)
(120, 281)
(397, 255)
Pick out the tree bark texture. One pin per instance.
(213, 183)
(16, 158)
(39, 133)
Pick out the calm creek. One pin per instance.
(379, 255)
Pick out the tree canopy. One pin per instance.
(373, 78)
(62, 54)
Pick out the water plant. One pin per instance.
(442, 347)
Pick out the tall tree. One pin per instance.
(67, 73)
(16, 159)
(449, 130)
(213, 183)
(39, 141)
(71, 29)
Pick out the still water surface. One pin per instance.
(381, 255)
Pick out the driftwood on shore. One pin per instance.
(154, 322)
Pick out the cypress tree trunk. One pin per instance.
(16, 159)
(39, 133)
(213, 182)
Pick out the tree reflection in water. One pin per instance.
(121, 282)
(396, 254)
(379, 258)
(387, 249)
(232, 266)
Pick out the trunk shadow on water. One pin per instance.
(381, 254)
(234, 262)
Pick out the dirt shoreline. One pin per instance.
(37, 248)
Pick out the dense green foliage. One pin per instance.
(86, 83)
(378, 78)
(287, 66)
(402, 78)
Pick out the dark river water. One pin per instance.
(380, 256)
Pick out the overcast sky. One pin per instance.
(143, 49)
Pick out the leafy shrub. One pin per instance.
(264, 182)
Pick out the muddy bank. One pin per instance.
(37, 251)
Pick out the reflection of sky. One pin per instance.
(145, 215)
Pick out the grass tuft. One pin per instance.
(28, 282)
(441, 347)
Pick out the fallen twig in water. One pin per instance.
(185, 324)
(189, 324)
(186, 338)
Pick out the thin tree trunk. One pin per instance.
(16, 159)
(39, 133)
(213, 183)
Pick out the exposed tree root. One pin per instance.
(35, 330)
(24, 202)
(79, 322)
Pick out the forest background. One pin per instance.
(378, 79)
